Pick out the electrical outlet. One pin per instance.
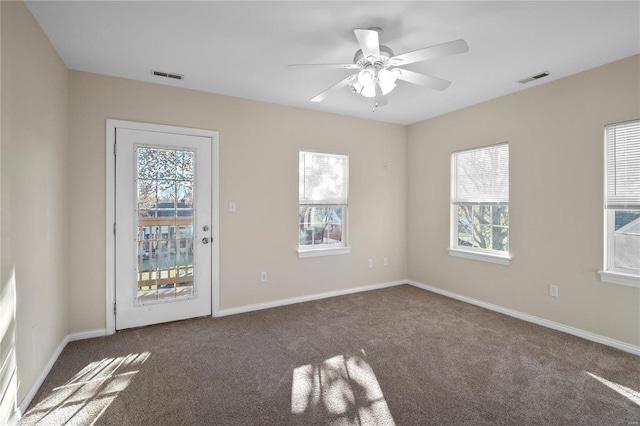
(370, 263)
(385, 261)
(232, 206)
(263, 276)
(553, 290)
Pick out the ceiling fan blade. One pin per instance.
(369, 43)
(380, 99)
(339, 85)
(344, 66)
(433, 52)
(423, 80)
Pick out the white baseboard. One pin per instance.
(87, 334)
(632, 349)
(293, 300)
(24, 404)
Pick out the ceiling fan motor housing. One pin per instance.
(385, 54)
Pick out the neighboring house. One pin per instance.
(168, 232)
(167, 208)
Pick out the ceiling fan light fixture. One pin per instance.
(367, 77)
(365, 83)
(369, 91)
(387, 80)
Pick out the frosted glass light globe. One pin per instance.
(386, 80)
(367, 77)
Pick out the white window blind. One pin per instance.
(481, 175)
(323, 179)
(623, 165)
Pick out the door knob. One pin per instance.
(205, 240)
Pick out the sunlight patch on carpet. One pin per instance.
(340, 390)
(84, 398)
(622, 390)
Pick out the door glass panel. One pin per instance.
(165, 217)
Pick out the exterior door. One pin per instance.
(163, 227)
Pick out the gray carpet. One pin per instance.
(400, 356)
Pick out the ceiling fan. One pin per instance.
(379, 69)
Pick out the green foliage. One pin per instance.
(483, 226)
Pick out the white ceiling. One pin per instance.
(241, 49)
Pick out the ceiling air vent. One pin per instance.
(534, 77)
(167, 75)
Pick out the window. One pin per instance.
(622, 203)
(480, 204)
(322, 212)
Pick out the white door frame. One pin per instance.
(110, 209)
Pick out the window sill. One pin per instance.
(620, 278)
(483, 257)
(323, 252)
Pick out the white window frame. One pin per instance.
(316, 250)
(611, 273)
(474, 253)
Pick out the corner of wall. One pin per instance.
(34, 131)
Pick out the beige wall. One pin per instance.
(555, 135)
(259, 146)
(34, 212)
